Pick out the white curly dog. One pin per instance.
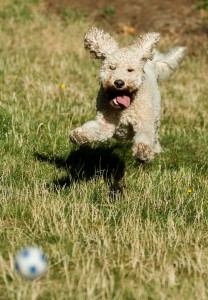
(128, 102)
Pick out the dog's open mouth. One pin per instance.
(119, 99)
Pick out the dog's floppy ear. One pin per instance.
(145, 44)
(99, 43)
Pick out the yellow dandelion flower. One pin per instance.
(62, 86)
(189, 191)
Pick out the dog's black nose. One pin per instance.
(119, 83)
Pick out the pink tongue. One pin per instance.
(124, 100)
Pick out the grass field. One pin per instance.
(151, 242)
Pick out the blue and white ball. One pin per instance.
(31, 262)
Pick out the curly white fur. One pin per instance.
(128, 102)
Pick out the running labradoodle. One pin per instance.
(128, 101)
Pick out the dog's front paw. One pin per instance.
(143, 153)
(77, 136)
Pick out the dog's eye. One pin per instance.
(112, 67)
(130, 70)
(144, 59)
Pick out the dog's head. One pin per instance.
(122, 71)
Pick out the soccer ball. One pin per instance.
(31, 262)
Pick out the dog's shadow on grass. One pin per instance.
(88, 163)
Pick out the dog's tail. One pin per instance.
(167, 63)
